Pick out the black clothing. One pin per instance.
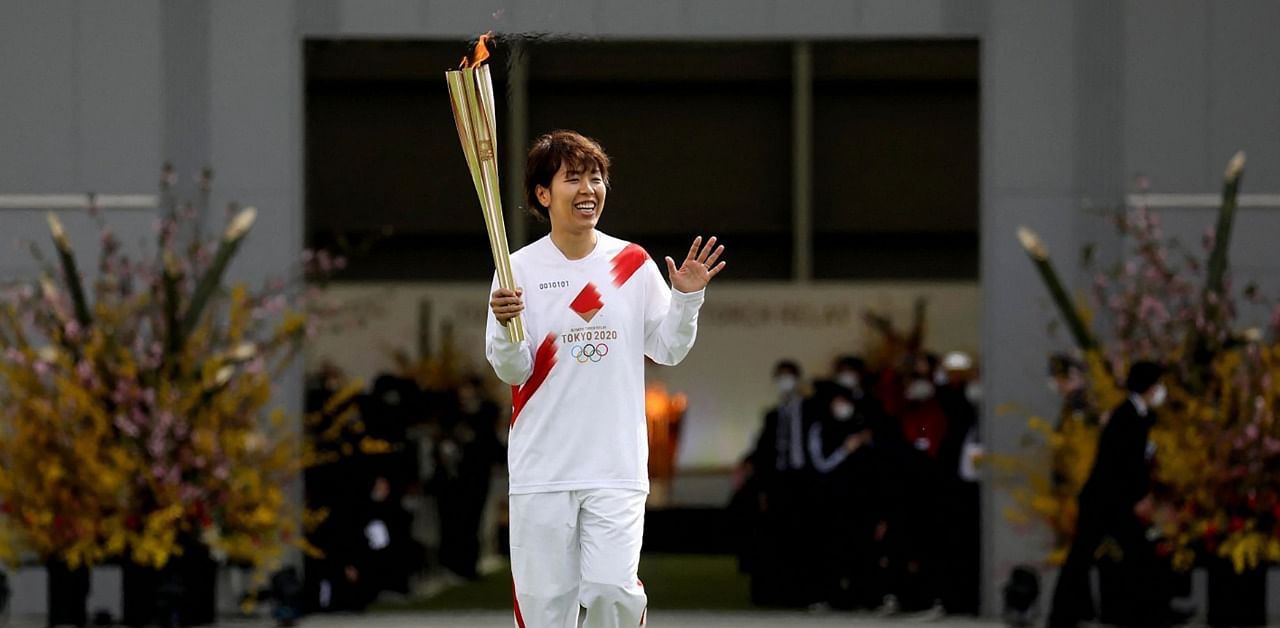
(960, 507)
(785, 429)
(783, 544)
(1121, 476)
(464, 469)
(844, 506)
(1119, 480)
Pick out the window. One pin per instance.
(895, 170)
(701, 140)
(384, 170)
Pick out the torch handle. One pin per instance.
(471, 94)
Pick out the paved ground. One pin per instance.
(684, 619)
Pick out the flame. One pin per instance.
(479, 54)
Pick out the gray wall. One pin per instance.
(1079, 98)
(1076, 99)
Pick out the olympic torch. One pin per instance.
(471, 93)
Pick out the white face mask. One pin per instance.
(1159, 395)
(1053, 386)
(940, 377)
(973, 392)
(786, 383)
(842, 410)
(919, 390)
(848, 379)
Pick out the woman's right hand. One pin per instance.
(507, 304)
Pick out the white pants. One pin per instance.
(575, 557)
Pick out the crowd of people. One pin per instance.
(860, 492)
(408, 505)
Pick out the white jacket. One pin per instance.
(577, 381)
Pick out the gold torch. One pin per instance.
(471, 92)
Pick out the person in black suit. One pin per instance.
(844, 506)
(1116, 502)
(782, 562)
(467, 452)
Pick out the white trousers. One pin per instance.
(575, 557)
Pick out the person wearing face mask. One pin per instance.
(852, 373)
(782, 477)
(915, 536)
(1116, 502)
(960, 498)
(837, 434)
(779, 450)
(839, 446)
(924, 422)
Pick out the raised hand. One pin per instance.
(698, 267)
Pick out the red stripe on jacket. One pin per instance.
(543, 361)
(627, 262)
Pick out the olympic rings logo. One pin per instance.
(589, 352)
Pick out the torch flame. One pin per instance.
(479, 54)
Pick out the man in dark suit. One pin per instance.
(782, 561)
(1116, 502)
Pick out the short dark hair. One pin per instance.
(851, 362)
(552, 150)
(787, 365)
(1142, 376)
(1062, 365)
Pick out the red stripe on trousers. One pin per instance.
(516, 603)
(543, 361)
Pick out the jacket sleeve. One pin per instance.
(511, 361)
(670, 318)
(822, 462)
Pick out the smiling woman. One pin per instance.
(578, 445)
(566, 181)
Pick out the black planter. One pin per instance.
(183, 593)
(68, 594)
(197, 605)
(139, 586)
(1237, 599)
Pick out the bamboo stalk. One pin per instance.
(70, 271)
(212, 277)
(11, 318)
(170, 279)
(1226, 216)
(1049, 275)
(1202, 346)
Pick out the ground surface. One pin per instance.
(685, 591)
(674, 619)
